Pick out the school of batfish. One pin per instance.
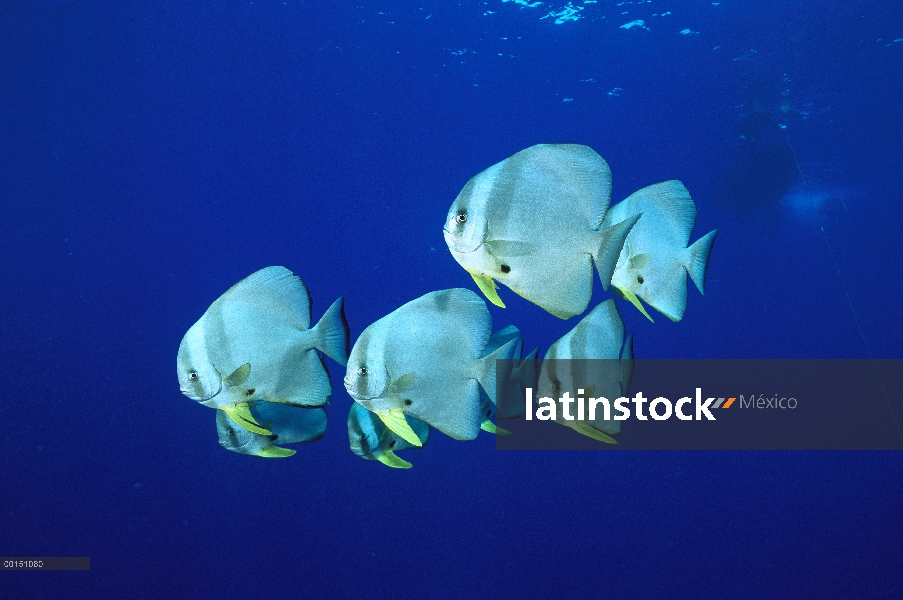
(538, 222)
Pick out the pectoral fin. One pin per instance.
(491, 427)
(394, 420)
(241, 415)
(389, 459)
(238, 376)
(631, 297)
(585, 429)
(402, 384)
(638, 261)
(275, 452)
(487, 286)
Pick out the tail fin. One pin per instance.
(698, 259)
(487, 371)
(626, 364)
(332, 333)
(523, 376)
(526, 370)
(611, 242)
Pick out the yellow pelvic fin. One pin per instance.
(240, 414)
(275, 452)
(394, 420)
(389, 459)
(488, 286)
(491, 427)
(628, 295)
(586, 429)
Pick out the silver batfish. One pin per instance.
(655, 261)
(534, 223)
(369, 437)
(593, 357)
(255, 344)
(425, 360)
(287, 424)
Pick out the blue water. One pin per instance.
(154, 153)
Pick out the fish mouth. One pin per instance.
(460, 251)
(454, 246)
(197, 398)
(351, 389)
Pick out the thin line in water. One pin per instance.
(843, 284)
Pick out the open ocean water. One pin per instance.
(152, 154)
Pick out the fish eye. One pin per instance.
(362, 371)
(639, 279)
(192, 375)
(461, 218)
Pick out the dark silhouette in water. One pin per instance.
(765, 168)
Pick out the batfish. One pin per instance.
(593, 357)
(369, 437)
(534, 222)
(255, 344)
(425, 360)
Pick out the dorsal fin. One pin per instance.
(589, 174)
(278, 289)
(675, 204)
